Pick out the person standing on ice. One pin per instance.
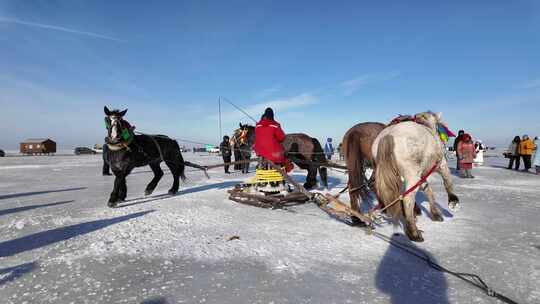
(456, 143)
(513, 153)
(268, 139)
(466, 154)
(225, 149)
(479, 149)
(536, 156)
(526, 148)
(328, 148)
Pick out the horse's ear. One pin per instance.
(240, 125)
(439, 115)
(123, 113)
(106, 110)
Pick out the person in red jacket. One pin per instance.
(268, 139)
(467, 153)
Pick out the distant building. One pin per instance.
(38, 146)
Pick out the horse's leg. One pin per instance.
(158, 173)
(409, 202)
(122, 192)
(246, 165)
(311, 178)
(174, 167)
(410, 221)
(444, 171)
(433, 209)
(114, 197)
(323, 173)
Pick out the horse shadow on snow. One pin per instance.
(12, 273)
(407, 279)
(216, 186)
(48, 237)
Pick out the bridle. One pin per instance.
(119, 136)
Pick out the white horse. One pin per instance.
(404, 153)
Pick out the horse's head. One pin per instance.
(430, 119)
(113, 123)
(434, 122)
(245, 135)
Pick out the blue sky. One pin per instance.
(323, 65)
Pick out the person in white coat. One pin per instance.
(536, 155)
(479, 149)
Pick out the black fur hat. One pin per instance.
(269, 114)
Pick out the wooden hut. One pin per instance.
(38, 146)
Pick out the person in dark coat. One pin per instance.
(456, 143)
(225, 149)
(513, 153)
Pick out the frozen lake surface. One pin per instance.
(60, 243)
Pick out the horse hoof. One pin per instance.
(437, 218)
(148, 192)
(308, 186)
(357, 222)
(112, 204)
(172, 192)
(453, 206)
(415, 237)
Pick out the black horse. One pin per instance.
(300, 148)
(243, 140)
(127, 151)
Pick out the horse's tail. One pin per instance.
(318, 156)
(355, 165)
(181, 165)
(387, 177)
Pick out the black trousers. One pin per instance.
(226, 159)
(526, 161)
(457, 162)
(512, 160)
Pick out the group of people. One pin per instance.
(468, 153)
(268, 144)
(526, 149)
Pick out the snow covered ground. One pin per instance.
(60, 243)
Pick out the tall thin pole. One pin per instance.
(219, 112)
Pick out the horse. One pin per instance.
(127, 151)
(405, 153)
(300, 148)
(357, 143)
(243, 140)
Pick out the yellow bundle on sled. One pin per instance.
(266, 176)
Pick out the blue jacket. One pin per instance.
(328, 148)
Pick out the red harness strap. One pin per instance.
(422, 180)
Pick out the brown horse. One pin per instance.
(357, 150)
(243, 140)
(299, 148)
